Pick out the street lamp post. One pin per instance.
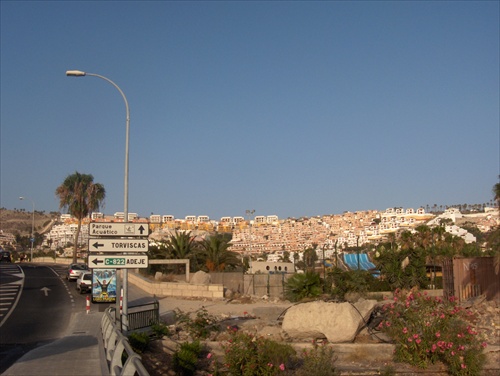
(77, 73)
(249, 213)
(32, 237)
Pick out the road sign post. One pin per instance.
(119, 246)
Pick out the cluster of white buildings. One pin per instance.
(328, 232)
(274, 236)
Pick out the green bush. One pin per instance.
(201, 326)
(427, 330)
(319, 361)
(303, 286)
(185, 359)
(139, 341)
(160, 330)
(379, 284)
(359, 281)
(247, 355)
(413, 275)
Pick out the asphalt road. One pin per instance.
(36, 304)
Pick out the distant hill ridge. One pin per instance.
(20, 221)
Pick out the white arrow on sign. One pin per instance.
(45, 290)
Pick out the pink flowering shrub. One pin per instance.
(249, 355)
(429, 329)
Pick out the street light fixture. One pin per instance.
(77, 73)
(32, 237)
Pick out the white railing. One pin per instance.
(116, 345)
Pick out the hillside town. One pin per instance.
(270, 235)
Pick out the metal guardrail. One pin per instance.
(139, 318)
(121, 358)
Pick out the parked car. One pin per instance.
(5, 256)
(74, 271)
(84, 282)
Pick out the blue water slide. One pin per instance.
(351, 261)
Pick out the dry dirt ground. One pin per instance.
(20, 221)
(368, 355)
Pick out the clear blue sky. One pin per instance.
(288, 108)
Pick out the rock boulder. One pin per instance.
(338, 322)
(200, 278)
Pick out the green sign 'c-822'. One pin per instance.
(114, 261)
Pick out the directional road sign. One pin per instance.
(118, 229)
(118, 261)
(118, 245)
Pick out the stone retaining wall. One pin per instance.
(179, 289)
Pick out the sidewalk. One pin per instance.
(80, 352)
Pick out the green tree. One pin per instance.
(181, 245)
(285, 257)
(404, 267)
(493, 246)
(423, 237)
(310, 257)
(80, 196)
(496, 193)
(343, 282)
(216, 254)
(406, 240)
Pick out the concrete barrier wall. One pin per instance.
(179, 289)
(272, 285)
(58, 260)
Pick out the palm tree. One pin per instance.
(406, 240)
(391, 238)
(80, 195)
(310, 257)
(423, 236)
(181, 245)
(496, 193)
(216, 254)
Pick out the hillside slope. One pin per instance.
(20, 222)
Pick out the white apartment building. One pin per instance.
(155, 218)
(60, 235)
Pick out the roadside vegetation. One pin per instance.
(425, 330)
(239, 353)
(208, 254)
